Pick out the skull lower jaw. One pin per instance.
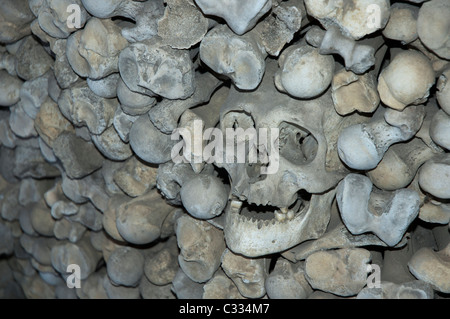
(254, 237)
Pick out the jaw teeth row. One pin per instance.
(281, 215)
(284, 214)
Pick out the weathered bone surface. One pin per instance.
(352, 18)
(408, 290)
(433, 27)
(144, 67)
(248, 274)
(362, 146)
(304, 72)
(358, 57)
(437, 275)
(52, 16)
(201, 246)
(402, 24)
(342, 272)
(240, 58)
(93, 52)
(371, 210)
(406, 80)
(434, 176)
(224, 149)
(240, 16)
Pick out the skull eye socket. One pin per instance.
(297, 144)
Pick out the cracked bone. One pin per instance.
(432, 267)
(362, 146)
(240, 58)
(433, 27)
(279, 28)
(342, 272)
(402, 24)
(304, 72)
(53, 16)
(201, 246)
(240, 16)
(84, 108)
(15, 17)
(125, 266)
(440, 129)
(406, 80)
(248, 274)
(434, 176)
(152, 67)
(139, 221)
(93, 51)
(358, 57)
(400, 164)
(364, 209)
(352, 92)
(166, 114)
(287, 281)
(355, 18)
(9, 89)
(144, 14)
(409, 290)
(178, 16)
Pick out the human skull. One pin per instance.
(307, 162)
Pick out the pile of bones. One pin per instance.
(98, 96)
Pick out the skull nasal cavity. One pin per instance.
(297, 144)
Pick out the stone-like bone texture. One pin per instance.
(240, 16)
(388, 215)
(342, 272)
